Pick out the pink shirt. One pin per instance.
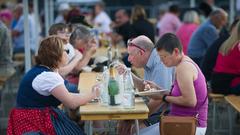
(184, 33)
(169, 24)
(229, 63)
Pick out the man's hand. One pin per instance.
(149, 85)
(121, 68)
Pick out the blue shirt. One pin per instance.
(157, 72)
(202, 39)
(19, 40)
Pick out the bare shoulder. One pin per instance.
(186, 66)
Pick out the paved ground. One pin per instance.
(8, 96)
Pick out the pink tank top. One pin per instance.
(201, 107)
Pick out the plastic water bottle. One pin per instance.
(104, 98)
(128, 100)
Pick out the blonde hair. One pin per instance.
(191, 17)
(231, 41)
(138, 12)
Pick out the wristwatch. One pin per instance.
(164, 98)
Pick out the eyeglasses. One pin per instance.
(129, 43)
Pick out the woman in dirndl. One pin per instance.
(40, 93)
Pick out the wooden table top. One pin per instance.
(96, 111)
(86, 81)
(234, 101)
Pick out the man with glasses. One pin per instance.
(142, 54)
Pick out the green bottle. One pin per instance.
(113, 87)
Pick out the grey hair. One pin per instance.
(218, 12)
(80, 33)
(143, 42)
(191, 17)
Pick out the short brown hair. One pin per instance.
(50, 52)
(56, 27)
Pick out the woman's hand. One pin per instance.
(78, 54)
(91, 51)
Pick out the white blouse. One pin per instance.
(45, 82)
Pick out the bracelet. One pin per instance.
(164, 98)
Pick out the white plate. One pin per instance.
(152, 92)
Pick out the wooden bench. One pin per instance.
(3, 79)
(234, 102)
(19, 57)
(216, 100)
(19, 67)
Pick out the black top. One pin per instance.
(126, 31)
(144, 27)
(210, 57)
(28, 97)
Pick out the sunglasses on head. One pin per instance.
(129, 43)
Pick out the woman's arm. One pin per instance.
(70, 66)
(73, 100)
(186, 73)
(86, 57)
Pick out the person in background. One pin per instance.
(205, 35)
(101, 20)
(226, 74)
(6, 17)
(18, 31)
(204, 10)
(140, 24)
(40, 93)
(185, 31)
(122, 27)
(170, 22)
(161, 12)
(124, 31)
(74, 56)
(6, 63)
(188, 96)
(142, 54)
(82, 40)
(210, 57)
(63, 11)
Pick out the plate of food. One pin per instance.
(152, 92)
